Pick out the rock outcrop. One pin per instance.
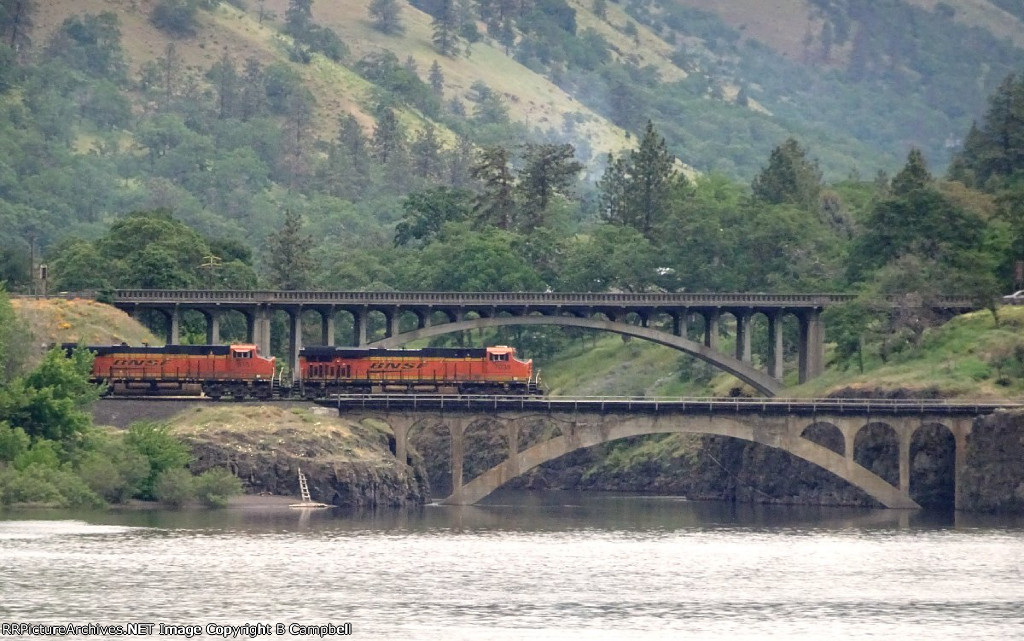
(345, 464)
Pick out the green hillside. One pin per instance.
(970, 357)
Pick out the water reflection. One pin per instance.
(527, 566)
(519, 511)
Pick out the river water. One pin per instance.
(522, 566)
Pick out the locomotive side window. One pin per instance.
(499, 357)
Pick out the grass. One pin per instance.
(969, 357)
(57, 320)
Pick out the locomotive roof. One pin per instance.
(187, 350)
(322, 352)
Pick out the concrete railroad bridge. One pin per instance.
(821, 431)
(658, 317)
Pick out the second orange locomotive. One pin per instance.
(325, 371)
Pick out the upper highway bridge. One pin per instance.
(408, 316)
(825, 432)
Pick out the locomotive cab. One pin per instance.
(515, 375)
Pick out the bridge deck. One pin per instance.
(774, 406)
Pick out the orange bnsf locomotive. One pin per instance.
(237, 371)
(240, 372)
(325, 371)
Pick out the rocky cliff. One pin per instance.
(346, 464)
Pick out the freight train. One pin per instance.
(240, 372)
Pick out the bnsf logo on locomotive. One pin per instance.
(135, 362)
(392, 365)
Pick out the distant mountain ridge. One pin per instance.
(724, 79)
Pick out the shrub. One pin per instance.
(174, 487)
(215, 486)
(45, 485)
(115, 471)
(177, 17)
(163, 450)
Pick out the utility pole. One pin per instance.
(210, 263)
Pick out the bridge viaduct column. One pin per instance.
(961, 429)
(812, 345)
(261, 328)
(457, 429)
(212, 326)
(393, 316)
(401, 427)
(327, 325)
(679, 322)
(295, 339)
(174, 330)
(711, 328)
(849, 428)
(904, 431)
(743, 351)
(775, 344)
(359, 320)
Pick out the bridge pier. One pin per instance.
(711, 329)
(212, 326)
(260, 328)
(904, 433)
(812, 345)
(961, 431)
(743, 351)
(457, 431)
(360, 318)
(327, 323)
(174, 331)
(775, 351)
(295, 340)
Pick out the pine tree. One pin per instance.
(914, 175)
(446, 28)
(496, 204)
(436, 79)
(225, 81)
(653, 175)
(613, 188)
(426, 154)
(636, 190)
(288, 255)
(16, 23)
(789, 178)
(388, 137)
(253, 94)
(548, 170)
(386, 16)
(298, 17)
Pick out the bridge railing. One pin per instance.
(588, 299)
(694, 404)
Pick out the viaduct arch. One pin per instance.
(744, 371)
(581, 429)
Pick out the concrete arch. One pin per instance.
(743, 371)
(843, 467)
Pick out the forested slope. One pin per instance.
(464, 146)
